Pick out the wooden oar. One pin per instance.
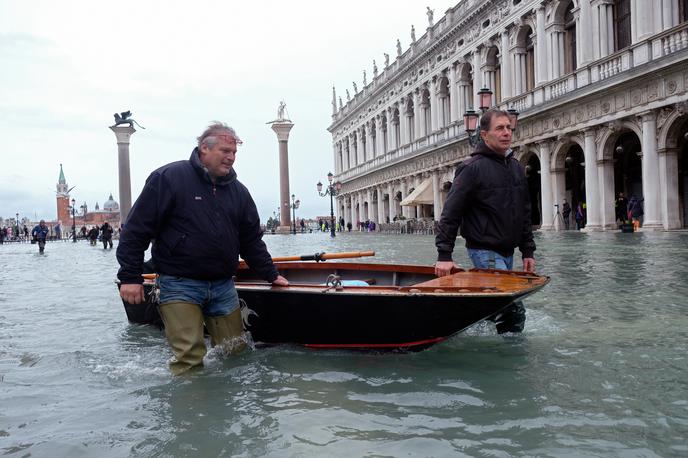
(317, 257)
(325, 256)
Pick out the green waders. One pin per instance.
(184, 331)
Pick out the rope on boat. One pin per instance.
(334, 281)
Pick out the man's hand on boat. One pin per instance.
(444, 268)
(132, 293)
(529, 265)
(280, 281)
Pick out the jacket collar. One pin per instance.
(483, 150)
(202, 171)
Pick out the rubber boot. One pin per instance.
(511, 319)
(227, 331)
(184, 332)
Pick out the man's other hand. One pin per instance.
(280, 281)
(529, 265)
(132, 293)
(444, 268)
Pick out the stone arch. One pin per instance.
(560, 149)
(611, 134)
(493, 74)
(526, 48)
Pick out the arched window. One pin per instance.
(491, 75)
(622, 24)
(570, 61)
(425, 106)
(443, 108)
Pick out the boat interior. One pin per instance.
(398, 278)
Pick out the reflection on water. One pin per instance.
(601, 369)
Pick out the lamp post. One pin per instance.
(294, 205)
(73, 221)
(332, 190)
(471, 118)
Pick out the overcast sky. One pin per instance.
(66, 67)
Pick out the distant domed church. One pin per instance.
(82, 216)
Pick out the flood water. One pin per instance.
(601, 369)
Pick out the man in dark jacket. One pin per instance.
(202, 218)
(40, 234)
(489, 200)
(106, 234)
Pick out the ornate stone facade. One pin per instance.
(602, 91)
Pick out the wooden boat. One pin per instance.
(364, 305)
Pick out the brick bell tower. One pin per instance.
(62, 196)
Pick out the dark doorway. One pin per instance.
(628, 166)
(534, 189)
(575, 176)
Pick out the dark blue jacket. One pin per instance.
(489, 200)
(40, 233)
(199, 228)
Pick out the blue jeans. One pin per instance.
(216, 298)
(513, 317)
(486, 259)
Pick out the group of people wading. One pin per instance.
(201, 218)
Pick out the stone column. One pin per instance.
(592, 191)
(477, 78)
(360, 146)
(282, 128)
(453, 95)
(556, 51)
(434, 108)
(546, 188)
(506, 66)
(608, 213)
(585, 39)
(559, 194)
(490, 80)
(540, 47)
(380, 205)
(390, 203)
(668, 180)
(650, 172)
(519, 71)
(123, 135)
(436, 198)
(405, 210)
(642, 25)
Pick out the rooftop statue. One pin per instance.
(386, 60)
(413, 34)
(125, 118)
(280, 111)
(430, 14)
(398, 47)
(374, 68)
(365, 79)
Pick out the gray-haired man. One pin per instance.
(201, 218)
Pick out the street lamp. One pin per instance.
(332, 190)
(294, 205)
(471, 118)
(73, 221)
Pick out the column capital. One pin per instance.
(123, 133)
(647, 116)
